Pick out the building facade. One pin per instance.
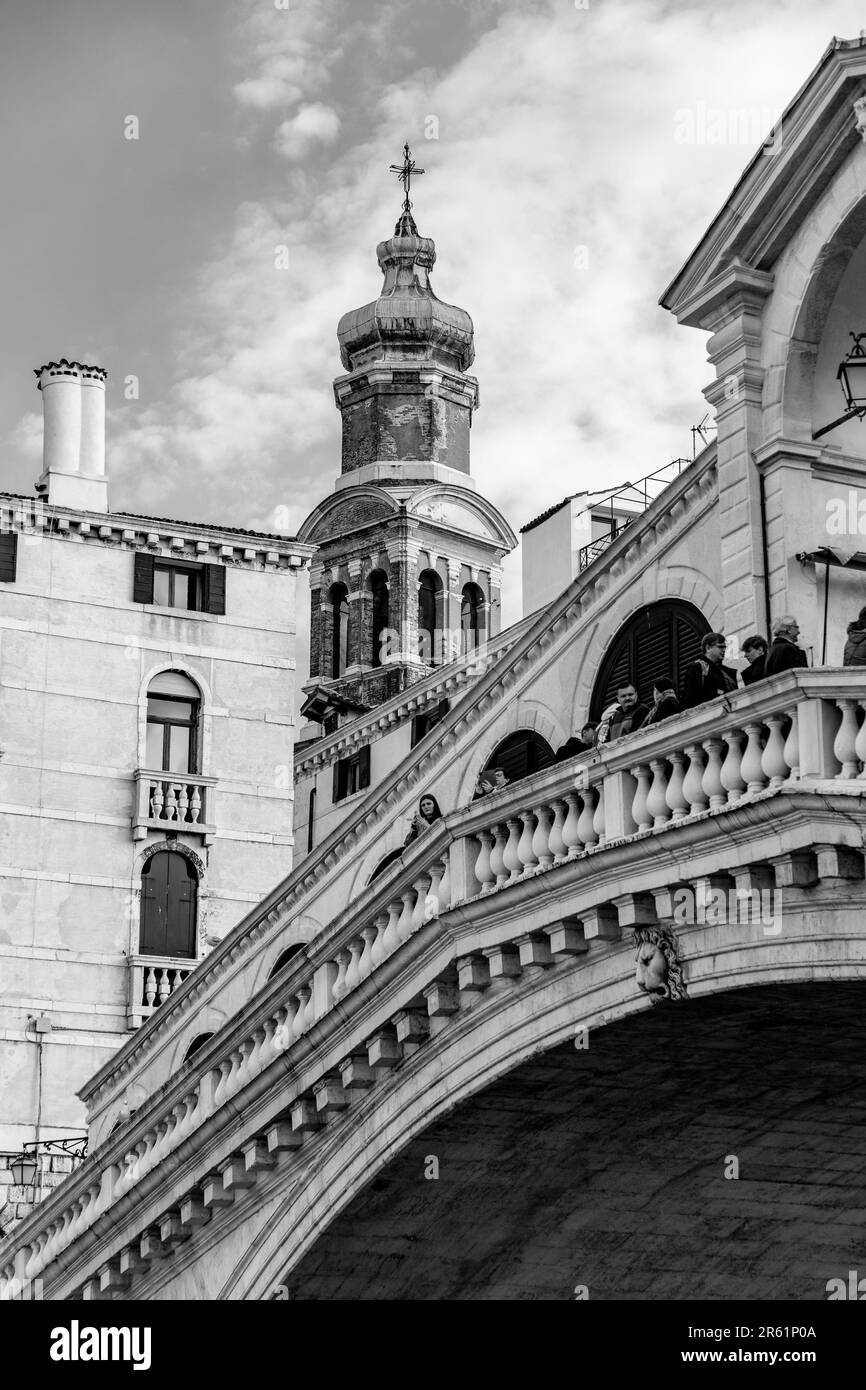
(146, 739)
(366, 1015)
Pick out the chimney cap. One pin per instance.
(63, 367)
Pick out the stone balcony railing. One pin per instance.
(712, 789)
(152, 980)
(171, 801)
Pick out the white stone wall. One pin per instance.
(76, 657)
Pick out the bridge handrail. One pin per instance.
(802, 730)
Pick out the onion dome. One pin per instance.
(407, 322)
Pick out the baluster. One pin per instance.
(555, 843)
(510, 857)
(404, 924)
(598, 818)
(773, 763)
(675, 796)
(445, 883)
(392, 933)
(792, 744)
(437, 872)
(497, 856)
(194, 805)
(586, 820)
(731, 775)
(162, 984)
(170, 802)
(711, 783)
(365, 964)
(304, 1017)
(482, 863)
(338, 989)
(524, 845)
(353, 974)
(656, 802)
(419, 911)
(845, 743)
(157, 800)
(377, 953)
(541, 839)
(693, 790)
(571, 826)
(182, 801)
(149, 986)
(640, 814)
(750, 768)
(219, 1094)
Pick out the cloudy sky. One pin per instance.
(559, 190)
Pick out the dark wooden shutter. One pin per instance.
(8, 557)
(168, 906)
(520, 755)
(214, 585)
(337, 794)
(659, 640)
(364, 766)
(142, 581)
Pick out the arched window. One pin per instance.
(196, 1045)
(472, 617)
(338, 596)
(430, 602)
(521, 754)
(284, 957)
(173, 707)
(378, 585)
(169, 889)
(661, 639)
(383, 864)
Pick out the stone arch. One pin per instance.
(207, 1022)
(524, 713)
(678, 582)
(807, 277)
(483, 1044)
(295, 933)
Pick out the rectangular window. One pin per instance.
(178, 584)
(172, 734)
(352, 774)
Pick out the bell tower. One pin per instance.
(407, 573)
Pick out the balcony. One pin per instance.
(152, 980)
(171, 801)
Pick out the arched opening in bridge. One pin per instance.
(383, 864)
(608, 1167)
(284, 957)
(169, 892)
(196, 1045)
(659, 639)
(519, 755)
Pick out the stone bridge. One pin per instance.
(599, 1034)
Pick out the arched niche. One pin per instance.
(659, 639)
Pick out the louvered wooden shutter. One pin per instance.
(364, 767)
(8, 557)
(142, 581)
(214, 589)
(336, 793)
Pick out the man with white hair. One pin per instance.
(785, 654)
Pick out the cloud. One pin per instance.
(313, 125)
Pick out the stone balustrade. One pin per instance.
(173, 801)
(152, 980)
(805, 731)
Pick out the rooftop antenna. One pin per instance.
(697, 430)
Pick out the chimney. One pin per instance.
(73, 450)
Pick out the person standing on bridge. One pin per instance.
(755, 652)
(708, 677)
(785, 653)
(428, 812)
(855, 647)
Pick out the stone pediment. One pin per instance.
(457, 509)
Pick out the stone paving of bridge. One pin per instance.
(605, 1167)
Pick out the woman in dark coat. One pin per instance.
(428, 812)
(855, 647)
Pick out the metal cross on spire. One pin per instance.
(404, 173)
